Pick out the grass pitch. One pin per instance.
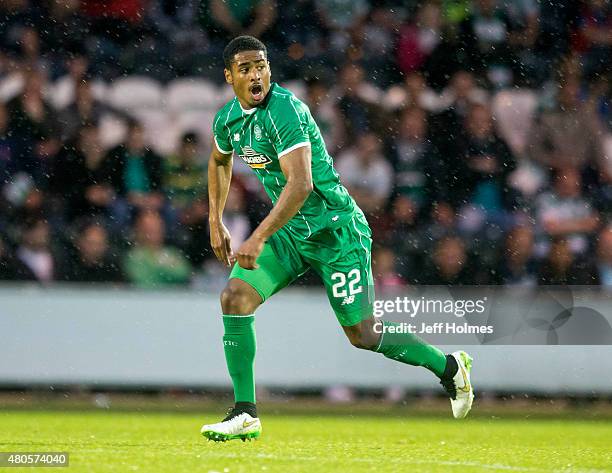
(107, 441)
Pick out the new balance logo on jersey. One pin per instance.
(254, 159)
(348, 300)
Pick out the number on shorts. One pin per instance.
(339, 287)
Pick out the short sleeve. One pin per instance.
(289, 121)
(221, 134)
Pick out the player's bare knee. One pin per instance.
(362, 335)
(237, 300)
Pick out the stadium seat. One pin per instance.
(226, 93)
(513, 111)
(112, 131)
(161, 130)
(10, 87)
(192, 93)
(198, 121)
(297, 87)
(62, 92)
(136, 92)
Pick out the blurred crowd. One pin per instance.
(475, 135)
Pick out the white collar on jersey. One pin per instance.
(247, 111)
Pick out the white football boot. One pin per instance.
(459, 387)
(240, 426)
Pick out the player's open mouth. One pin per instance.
(257, 92)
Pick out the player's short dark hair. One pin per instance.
(239, 44)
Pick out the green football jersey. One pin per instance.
(261, 136)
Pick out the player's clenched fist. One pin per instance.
(220, 242)
(249, 251)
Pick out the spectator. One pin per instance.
(253, 17)
(33, 126)
(405, 235)
(64, 15)
(116, 35)
(34, 253)
(461, 93)
(602, 197)
(150, 263)
(177, 32)
(595, 34)
(524, 27)
(448, 264)
(561, 267)
(341, 19)
(136, 172)
(65, 87)
(564, 212)
(523, 16)
(128, 11)
(357, 99)
(412, 155)
(84, 110)
(185, 185)
(419, 39)
(366, 173)
(305, 43)
(443, 221)
(172, 19)
(8, 158)
(30, 54)
(599, 94)
(414, 92)
(484, 35)
(386, 277)
(185, 174)
(18, 15)
(517, 267)
(376, 41)
(456, 100)
(484, 163)
(326, 114)
(91, 259)
(604, 257)
(556, 20)
(81, 178)
(11, 269)
(568, 134)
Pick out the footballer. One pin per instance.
(314, 224)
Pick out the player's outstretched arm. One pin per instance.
(297, 170)
(219, 178)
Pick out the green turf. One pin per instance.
(170, 442)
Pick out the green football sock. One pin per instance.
(239, 345)
(410, 349)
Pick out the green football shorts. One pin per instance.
(341, 257)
